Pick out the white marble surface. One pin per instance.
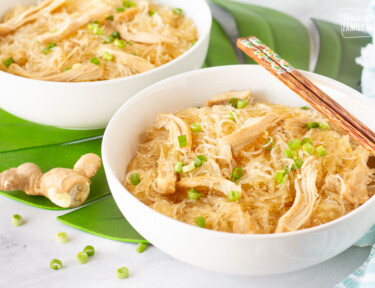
(25, 251)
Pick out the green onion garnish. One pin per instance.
(233, 196)
(177, 11)
(233, 102)
(93, 25)
(98, 31)
(128, 4)
(48, 49)
(196, 127)
(237, 173)
(182, 140)
(122, 273)
(141, 247)
(305, 107)
(200, 222)
(323, 126)
(321, 150)
(297, 163)
(288, 153)
(307, 140)
(110, 18)
(55, 264)
(193, 43)
(232, 116)
(67, 69)
(295, 144)
(135, 179)
(109, 39)
(77, 65)
(194, 194)
(62, 237)
(178, 167)
(188, 168)
(120, 9)
(116, 34)
(95, 60)
(308, 148)
(242, 104)
(9, 61)
(269, 146)
(198, 161)
(119, 43)
(152, 12)
(16, 220)
(310, 125)
(90, 251)
(279, 175)
(82, 258)
(107, 56)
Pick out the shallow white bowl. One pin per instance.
(91, 105)
(219, 251)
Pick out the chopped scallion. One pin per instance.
(305, 107)
(182, 141)
(194, 194)
(135, 179)
(89, 250)
(120, 9)
(62, 237)
(196, 127)
(310, 125)
(269, 146)
(308, 148)
(107, 56)
(295, 144)
(288, 153)
(233, 102)
(7, 62)
(110, 18)
(321, 150)
(119, 43)
(232, 116)
(323, 126)
(55, 264)
(93, 25)
(128, 4)
(188, 168)
(95, 60)
(82, 258)
(307, 140)
(177, 11)
(16, 220)
(98, 31)
(297, 163)
(178, 167)
(67, 69)
(242, 103)
(109, 39)
(279, 175)
(141, 247)
(122, 273)
(233, 196)
(151, 13)
(200, 222)
(116, 35)
(237, 173)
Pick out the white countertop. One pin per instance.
(26, 251)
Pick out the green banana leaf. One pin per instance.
(337, 54)
(104, 219)
(49, 157)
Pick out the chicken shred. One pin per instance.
(166, 180)
(144, 37)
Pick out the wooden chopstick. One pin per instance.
(291, 77)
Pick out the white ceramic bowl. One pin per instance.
(219, 251)
(92, 104)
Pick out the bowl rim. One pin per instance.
(206, 30)
(270, 236)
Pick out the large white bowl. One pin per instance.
(219, 251)
(92, 104)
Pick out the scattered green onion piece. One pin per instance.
(55, 264)
(62, 237)
(90, 251)
(232, 116)
(120, 9)
(321, 150)
(177, 11)
(310, 125)
(194, 194)
(77, 65)
(130, 43)
(307, 140)
(270, 146)
(324, 126)
(109, 39)
(285, 178)
(46, 50)
(151, 13)
(297, 163)
(16, 220)
(119, 43)
(237, 173)
(295, 144)
(305, 107)
(200, 222)
(202, 157)
(279, 175)
(233, 102)
(122, 273)
(197, 162)
(135, 54)
(188, 168)
(110, 18)
(107, 56)
(182, 141)
(67, 69)
(51, 45)
(135, 179)
(93, 25)
(196, 127)
(288, 153)
(233, 196)
(98, 31)
(116, 34)
(286, 169)
(95, 60)
(7, 62)
(53, 31)
(82, 258)
(178, 167)
(308, 148)
(193, 43)
(128, 4)
(141, 247)
(242, 104)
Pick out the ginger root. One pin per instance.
(64, 187)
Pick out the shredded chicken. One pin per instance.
(223, 98)
(144, 37)
(127, 15)
(356, 192)
(167, 177)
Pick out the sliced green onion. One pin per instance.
(198, 161)
(7, 62)
(95, 60)
(279, 175)
(305, 108)
(285, 178)
(109, 39)
(188, 168)
(16, 220)
(141, 247)
(323, 126)
(53, 31)
(135, 179)
(62, 237)
(288, 153)
(55, 264)
(93, 25)
(233, 196)
(196, 127)
(128, 4)
(178, 167)
(267, 145)
(232, 116)
(200, 222)
(177, 11)
(90, 251)
(193, 43)
(308, 148)
(122, 273)
(297, 163)
(76, 65)
(107, 56)
(295, 144)
(286, 169)
(98, 31)
(182, 141)
(237, 173)
(233, 102)
(307, 140)
(152, 12)
(110, 18)
(82, 258)
(119, 43)
(116, 35)
(48, 49)
(120, 9)
(310, 125)
(242, 104)
(67, 69)
(194, 194)
(321, 150)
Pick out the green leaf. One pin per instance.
(337, 54)
(16, 133)
(281, 32)
(49, 157)
(104, 219)
(220, 50)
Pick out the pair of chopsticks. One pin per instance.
(309, 92)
